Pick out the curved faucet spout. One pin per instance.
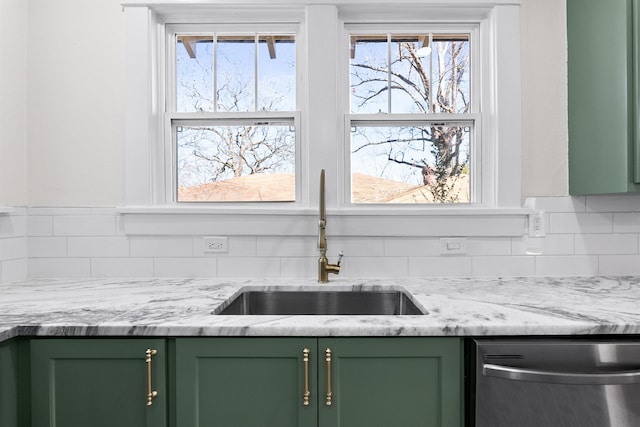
(322, 221)
(323, 210)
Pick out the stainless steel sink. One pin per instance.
(387, 302)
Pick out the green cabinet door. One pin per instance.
(256, 382)
(9, 384)
(603, 96)
(245, 382)
(97, 383)
(384, 382)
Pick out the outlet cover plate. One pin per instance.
(215, 244)
(453, 246)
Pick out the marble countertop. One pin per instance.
(454, 307)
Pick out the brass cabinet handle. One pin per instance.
(307, 394)
(150, 392)
(328, 360)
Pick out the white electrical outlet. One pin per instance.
(216, 244)
(536, 224)
(453, 246)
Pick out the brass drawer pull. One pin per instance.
(328, 360)
(150, 392)
(307, 394)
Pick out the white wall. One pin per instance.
(13, 108)
(75, 110)
(75, 102)
(544, 98)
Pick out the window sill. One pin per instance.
(249, 221)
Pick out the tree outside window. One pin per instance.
(418, 160)
(230, 157)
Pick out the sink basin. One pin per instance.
(320, 302)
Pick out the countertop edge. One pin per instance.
(454, 307)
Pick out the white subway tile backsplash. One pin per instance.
(567, 265)
(299, 267)
(503, 266)
(13, 226)
(626, 222)
(161, 246)
(59, 267)
(440, 267)
(599, 244)
(5, 230)
(584, 236)
(356, 246)
(581, 223)
(40, 225)
(489, 246)
(412, 246)
(13, 248)
(13, 245)
(551, 244)
(259, 267)
(185, 267)
(122, 267)
(47, 247)
(287, 246)
(14, 270)
(98, 246)
(84, 225)
(373, 267)
(619, 265)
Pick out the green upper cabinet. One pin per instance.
(603, 96)
(97, 383)
(9, 384)
(248, 382)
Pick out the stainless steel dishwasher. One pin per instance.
(557, 383)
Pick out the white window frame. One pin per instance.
(172, 117)
(474, 117)
(322, 119)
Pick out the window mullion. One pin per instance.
(214, 73)
(389, 73)
(255, 72)
(431, 106)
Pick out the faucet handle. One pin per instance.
(340, 255)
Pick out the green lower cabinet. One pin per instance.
(244, 382)
(352, 382)
(9, 384)
(97, 383)
(385, 382)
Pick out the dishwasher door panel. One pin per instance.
(557, 383)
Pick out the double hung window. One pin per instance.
(245, 103)
(232, 118)
(412, 116)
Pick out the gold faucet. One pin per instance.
(324, 268)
